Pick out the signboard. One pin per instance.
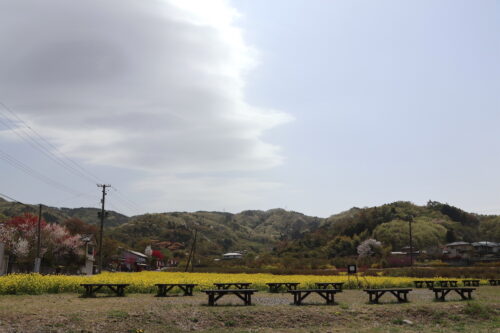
(351, 269)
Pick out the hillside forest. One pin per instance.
(276, 238)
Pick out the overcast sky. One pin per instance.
(312, 106)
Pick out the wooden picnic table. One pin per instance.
(237, 285)
(334, 285)
(244, 294)
(447, 283)
(494, 282)
(300, 294)
(441, 292)
(469, 283)
(401, 294)
(92, 288)
(164, 288)
(420, 284)
(275, 286)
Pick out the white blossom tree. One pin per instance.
(369, 248)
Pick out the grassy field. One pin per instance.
(67, 312)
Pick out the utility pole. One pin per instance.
(102, 214)
(38, 259)
(194, 250)
(191, 253)
(410, 220)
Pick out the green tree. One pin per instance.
(396, 233)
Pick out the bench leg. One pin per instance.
(161, 291)
(186, 290)
(88, 291)
(330, 300)
(378, 295)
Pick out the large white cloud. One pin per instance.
(146, 84)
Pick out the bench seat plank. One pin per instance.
(164, 288)
(441, 292)
(92, 288)
(227, 285)
(275, 286)
(327, 294)
(325, 285)
(401, 294)
(244, 294)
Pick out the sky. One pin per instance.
(312, 106)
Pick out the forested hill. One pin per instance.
(286, 232)
(251, 230)
(433, 224)
(58, 215)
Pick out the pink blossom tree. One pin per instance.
(19, 235)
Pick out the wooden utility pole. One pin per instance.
(102, 215)
(191, 253)
(194, 250)
(410, 220)
(38, 259)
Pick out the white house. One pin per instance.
(232, 255)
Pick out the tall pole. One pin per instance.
(410, 220)
(102, 215)
(38, 231)
(194, 250)
(191, 252)
(38, 259)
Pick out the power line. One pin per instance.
(131, 205)
(33, 173)
(72, 166)
(12, 199)
(59, 202)
(27, 137)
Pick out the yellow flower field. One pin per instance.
(144, 282)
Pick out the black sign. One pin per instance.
(351, 269)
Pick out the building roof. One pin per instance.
(139, 254)
(485, 243)
(458, 244)
(232, 254)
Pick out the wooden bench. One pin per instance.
(92, 288)
(441, 292)
(300, 294)
(447, 283)
(494, 282)
(335, 285)
(164, 288)
(420, 284)
(244, 294)
(469, 283)
(237, 285)
(401, 294)
(274, 287)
